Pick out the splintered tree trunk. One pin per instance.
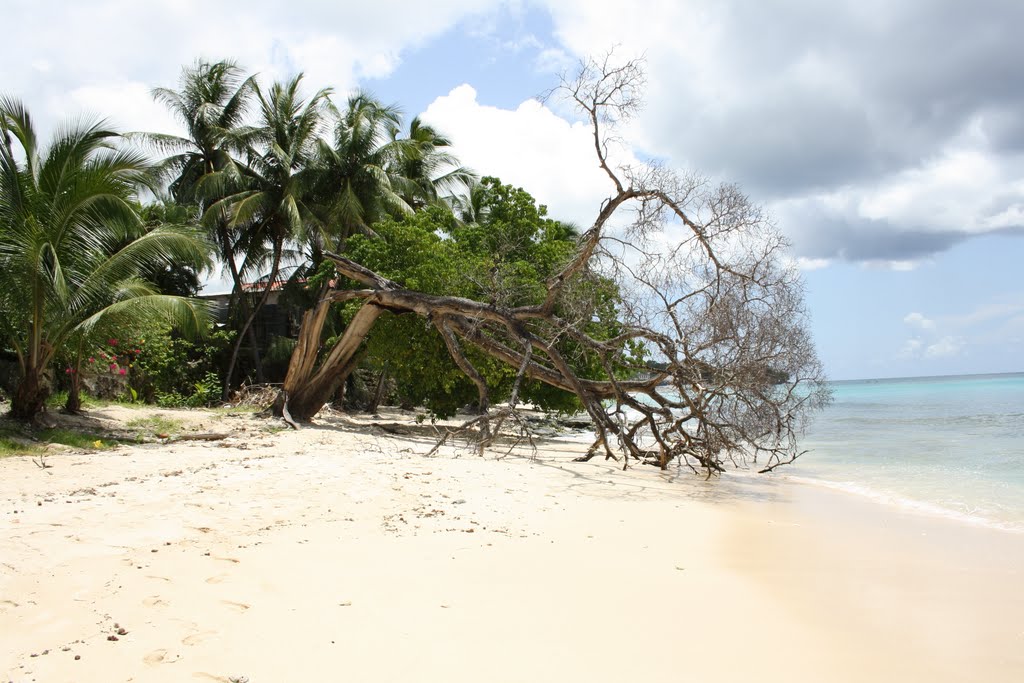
(307, 388)
(30, 395)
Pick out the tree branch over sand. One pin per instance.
(711, 361)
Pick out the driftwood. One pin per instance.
(198, 436)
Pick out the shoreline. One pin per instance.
(923, 508)
(339, 551)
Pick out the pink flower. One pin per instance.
(113, 367)
(91, 359)
(123, 371)
(112, 342)
(67, 371)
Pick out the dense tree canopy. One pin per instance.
(504, 259)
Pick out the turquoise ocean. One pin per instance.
(951, 446)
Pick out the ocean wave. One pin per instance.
(977, 517)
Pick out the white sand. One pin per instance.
(340, 553)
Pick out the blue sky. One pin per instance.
(886, 138)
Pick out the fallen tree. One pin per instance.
(711, 360)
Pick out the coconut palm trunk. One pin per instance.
(30, 394)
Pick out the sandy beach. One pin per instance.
(341, 552)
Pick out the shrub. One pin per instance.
(174, 371)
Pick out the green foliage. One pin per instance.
(174, 371)
(74, 253)
(13, 442)
(503, 258)
(276, 358)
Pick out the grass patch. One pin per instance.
(275, 428)
(155, 424)
(17, 442)
(13, 443)
(76, 439)
(57, 399)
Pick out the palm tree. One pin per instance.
(272, 206)
(357, 181)
(432, 171)
(471, 207)
(368, 171)
(73, 248)
(201, 169)
(211, 105)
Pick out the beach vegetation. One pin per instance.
(674, 320)
(28, 441)
(175, 370)
(74, 251)
(13, 442)
(78, 439)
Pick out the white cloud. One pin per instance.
(995, 324)
(530, 147)
(112, 45)
(951, 192)
(944, 348)
(808, 264)
(899, 265)
(985, 313)
(906, 149)
(553, 60)
(128, 105)
(911, 348)
(918, 320)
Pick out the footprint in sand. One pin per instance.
(156, 657)
(239, 606)
(219, 578)
(154, 601)
(227, 559)
(197, 638)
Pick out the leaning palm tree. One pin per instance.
(273, 205)
(73, 248)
